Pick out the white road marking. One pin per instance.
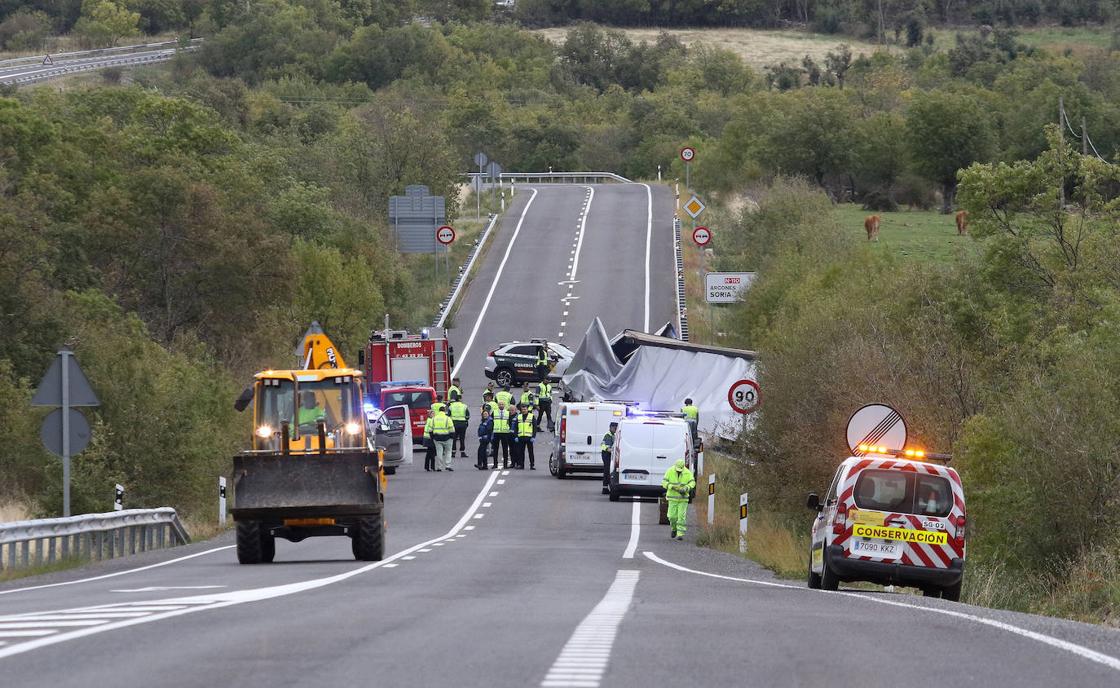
(1079, 650)
(582, 230)
(493, 286)
(13, 625)
(157, 588)
(584, 658)
(118, 573)
(426, 549)
(187, 605)
(25, 634)
(494, 494)
(479, 515)
(468, 528)
(390, 566)
(437, 544)
(635, 529)
(408, 558)
(486, 504)
(501, 482)
(649, 237)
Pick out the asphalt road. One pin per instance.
(519, 579)
(30, 72)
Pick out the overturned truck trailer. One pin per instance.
(660, 373)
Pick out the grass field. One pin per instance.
(1056, 39)
(924, 235)
(757, 47)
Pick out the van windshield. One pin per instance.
(904, 492)
(413, 400)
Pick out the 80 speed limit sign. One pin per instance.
(744, 396)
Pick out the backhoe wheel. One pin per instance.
(249, 543)
(369, 539)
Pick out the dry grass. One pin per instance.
(13, 511)
(757, 47)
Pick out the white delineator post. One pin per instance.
(222, 501)
(743, 523)
(118, 498)
(711, 499)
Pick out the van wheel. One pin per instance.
(390, 470)
(614, 493)
(369, 539)
(814, 578)
(829, 580)
(931, 592)
(662, 511)
(504, 377)
(952, 592)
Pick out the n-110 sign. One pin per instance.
(726, 287)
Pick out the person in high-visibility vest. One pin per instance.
(504, 395)
(528, 398)
(526, 425)
(460, 414)
(692, 416)
(605, 449)
(544, 404)
(429, 446)
(488, 402)
(310, 413)
(455, 390)
(438, 405)
(443, 432)
(543, 365)
(503, 433)
(678, 484)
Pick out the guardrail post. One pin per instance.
(50, 550)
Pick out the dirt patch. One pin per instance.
(758, 48)
(13, 511)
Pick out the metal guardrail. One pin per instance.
(90, 536)
(464, 273)
(64, 69)
(564, 177)
(97, 52)
(682, 303)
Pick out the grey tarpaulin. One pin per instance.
(659, 374)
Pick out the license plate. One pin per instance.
(635, 476)
(878, 549)
(585, 458)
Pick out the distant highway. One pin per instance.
(34, 69)
(515, 578)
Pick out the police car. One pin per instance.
(891, 517)
(513, 363)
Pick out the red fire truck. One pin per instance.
(401, 361)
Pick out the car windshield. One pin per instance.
(414, 400)
(903, 492)
(330, 400)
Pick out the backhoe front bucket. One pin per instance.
(273, 486)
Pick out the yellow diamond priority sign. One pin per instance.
(694, 207)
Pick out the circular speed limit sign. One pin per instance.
(701, 235)
(688, 153)
(744, 396)
(445, 235)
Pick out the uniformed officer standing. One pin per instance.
(455, 390)
(528, 398)
(460, 415)
(692, 416)
(678, 484)
(504, 395)
(443, 432)
(543, 366)
(544, 404)
(605, 449)
(429, 445)
(485, 436)
(526, 425)
(503, 433)
(438, 405)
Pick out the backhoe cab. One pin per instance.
(314, 467)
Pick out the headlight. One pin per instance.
(353, 428)
(264, 431)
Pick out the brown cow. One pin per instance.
(962, 223)
(871, 224)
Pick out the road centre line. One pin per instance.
(1079, 650)
(582, 230)
(584, 657)
(635, 529)
(187, 605)
(493, 286)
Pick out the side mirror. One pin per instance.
(814, 502)
(244, 400)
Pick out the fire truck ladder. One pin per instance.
(439, 367)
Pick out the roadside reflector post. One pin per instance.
(222, 501)
(743, 523)
(700, 461)
(118, 498)
(711, 499)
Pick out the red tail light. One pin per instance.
(960, 530)
(491, 354)
(563, 430)
(840, 520)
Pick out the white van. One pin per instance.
(644, 449)
(580, 432)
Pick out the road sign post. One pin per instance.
(222, 501)
(743, 523)
(480, 159)
(711, 499)
(65, 431)
(118, 497)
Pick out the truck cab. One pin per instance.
(415, 395)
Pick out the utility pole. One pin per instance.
(1061, 146)
(1084, 137)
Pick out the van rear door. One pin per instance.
(669, 445)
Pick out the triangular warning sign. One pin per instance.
(49, 392)
(48, 61)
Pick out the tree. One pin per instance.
(947, 132)
(104, 22)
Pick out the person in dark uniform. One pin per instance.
(605, 449)
(485, 436)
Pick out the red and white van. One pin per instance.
(891, 517)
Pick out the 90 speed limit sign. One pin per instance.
(744, 397)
